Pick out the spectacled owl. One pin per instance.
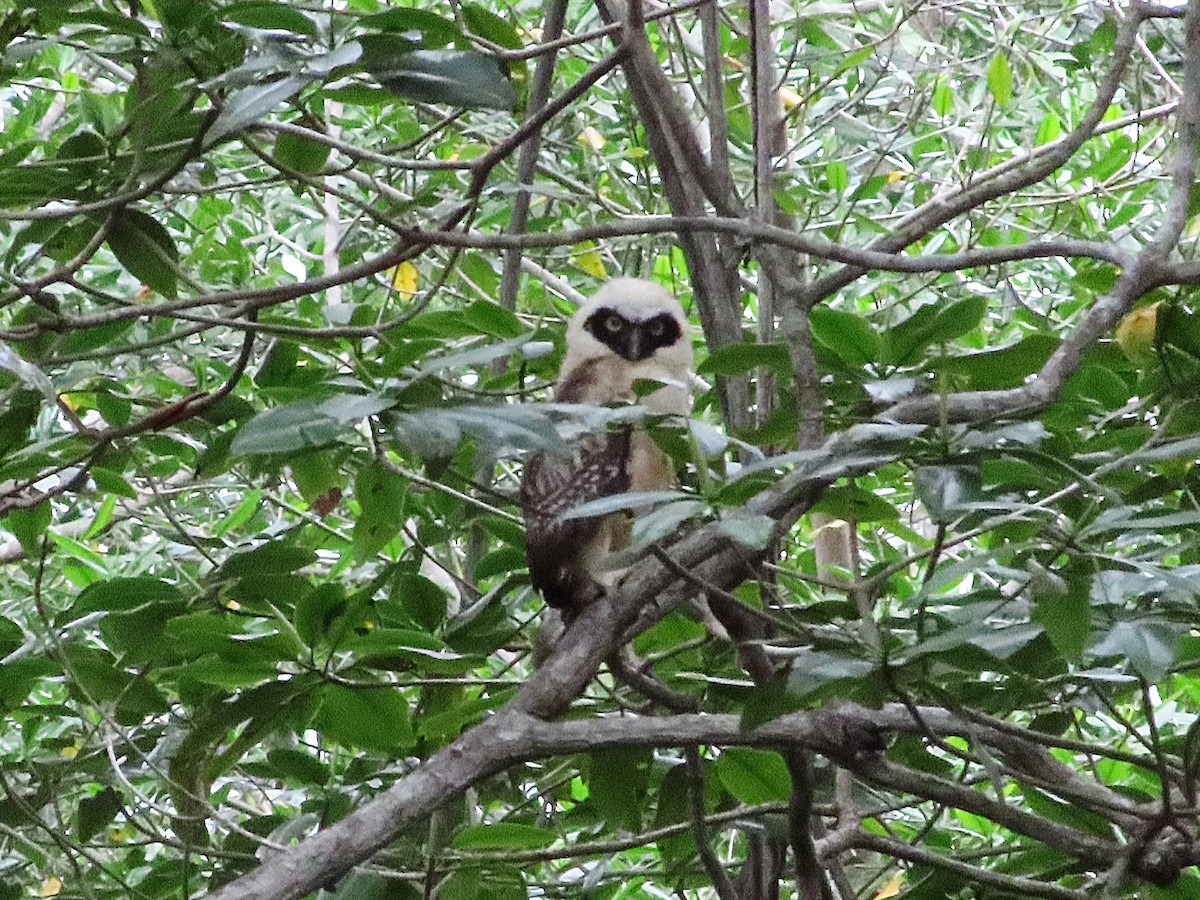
(631, 330)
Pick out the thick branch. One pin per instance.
(849, 734)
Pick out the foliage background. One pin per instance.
(277, 284)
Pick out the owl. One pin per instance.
(632, 330)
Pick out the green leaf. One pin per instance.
(28, 526)
(423, 601)
(943, 97)
(814, 670)
(754, 532)
(490, 26)
(435, 30)
(845, 334)
(493, 319)
(453, 77)
(947, 491)
(297, 764)
(1002, 367)
(309, 423)
(11, 636)
(95, 813)
(380, 493)
(618, 502)
(316, 610)
(1066, 619)
(273, 557)
(852, 503)
(269, 16)
(617, 782)
(999, 77)
(504, 429)
(145, 249)
(301, 153)
(658, 523)
(838, 176)
(932, 323)
(125, 594)
(504, 836)
(753, 776)
(370, 718)
(739, 359)
(248, 105)
(1148, 644)
(1003, 642)
(1049, 130)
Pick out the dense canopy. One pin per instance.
(281, 288)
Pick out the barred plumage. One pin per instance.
(631, 330)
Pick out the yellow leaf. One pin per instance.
(404, 280)
(51, 887)
(588, 258)
(789, 98)
(233, 605)
(1136, 333)
(70, 751)
(896, 176)
(892, 888)
(590, 137)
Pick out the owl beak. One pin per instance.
(633, 348)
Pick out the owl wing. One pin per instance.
(553, 484)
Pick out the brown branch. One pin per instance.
(689, 182)
(1006, 178)
(539, 93)
(712, 866)
(1014, 884)
(849, 734)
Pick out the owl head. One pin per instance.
(633, 321)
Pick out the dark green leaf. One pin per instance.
(932, 324)
(1066, 616)
(301, 153)
(28, 526)
(490, 26)
(269, 16)
(96, 812)
(1148, 644)
(248, 105)
(946, 490)
(753, 776)
(370, 718)
(453, 77)
(739, 359)
(423, 601)
(752, 531)
(504, 836)
(617, 782)
(854, 504)
(316, 610)
(145, 249)
(434, 30)
(309, 423)
(503, 429)
(847, 335)
(658, 523)
(272, 557)
(297, 764)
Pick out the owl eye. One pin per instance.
(657, 328)
(613, 324)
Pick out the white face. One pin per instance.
(634, 320)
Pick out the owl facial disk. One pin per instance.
(633, 340)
